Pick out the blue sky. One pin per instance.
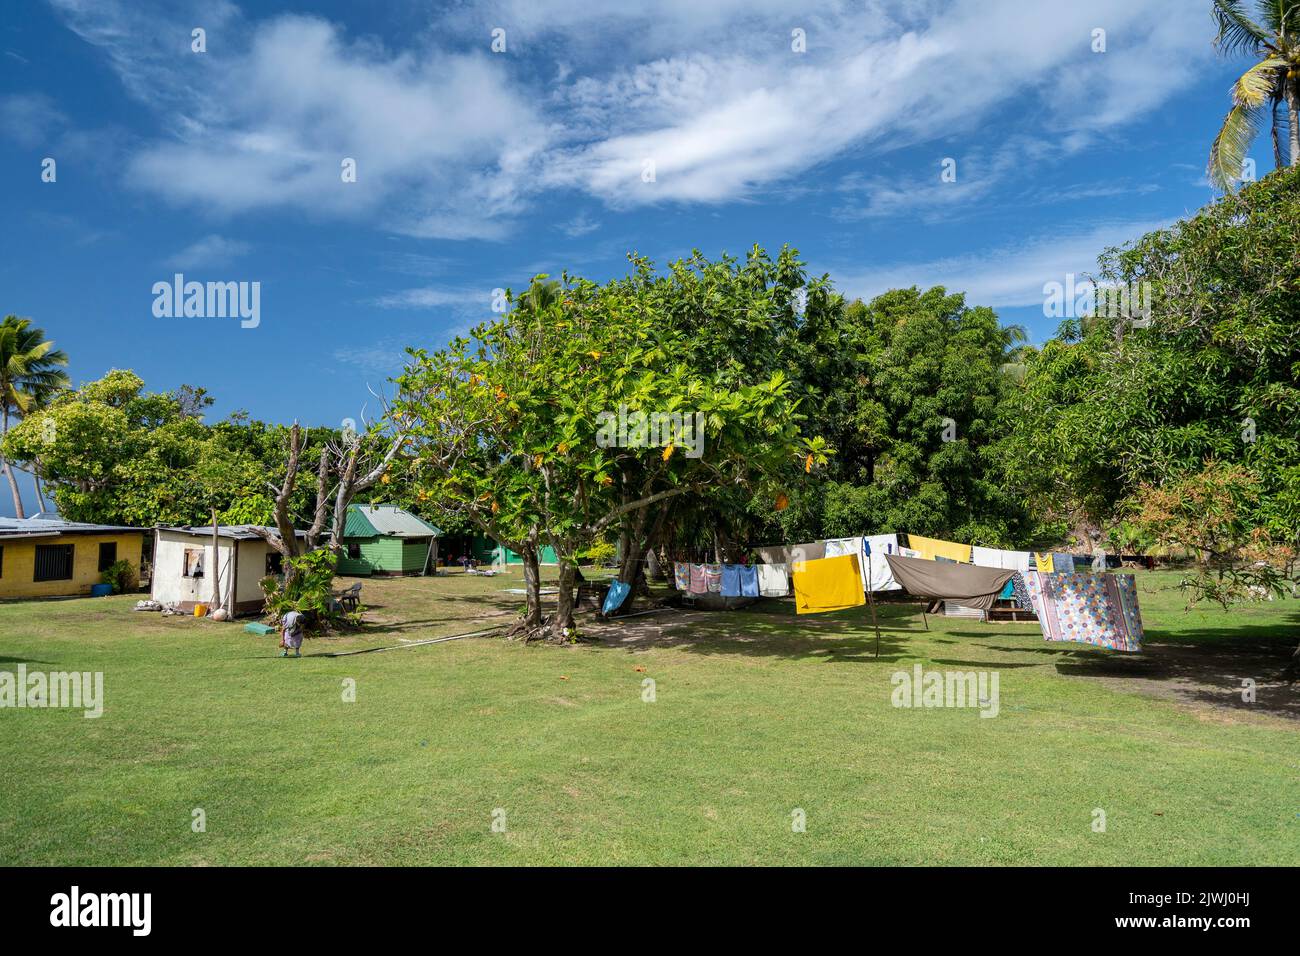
(477, 169)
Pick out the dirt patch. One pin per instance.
(1206, 678)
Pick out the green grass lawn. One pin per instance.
(757, 714)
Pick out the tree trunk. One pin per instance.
(561, 627)
(9, 471)
(532, 588)
(216, 563)
(1293, 114)
(40, 489)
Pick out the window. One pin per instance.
(354, 551)
(107, 554)
(274, 562)
(53, 562)
(193, 566)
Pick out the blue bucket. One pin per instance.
(101, 590)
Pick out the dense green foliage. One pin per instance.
(1108, 408)
(913, 399)
(113, 453)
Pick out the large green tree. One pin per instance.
(911, 390)
(513, 424)
(31, 373)
(1151, 421)
(114, 453)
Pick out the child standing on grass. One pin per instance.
(291, 634)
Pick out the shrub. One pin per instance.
(308, 588)
(122, 576)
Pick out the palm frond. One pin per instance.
(1260, 83)
(1228, 152)
(1237, 31)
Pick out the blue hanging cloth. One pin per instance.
(618, 592)
(731, 580)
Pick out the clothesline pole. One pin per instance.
(872, 601)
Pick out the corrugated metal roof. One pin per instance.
(35, 527)
(367, 521)
(242, 532)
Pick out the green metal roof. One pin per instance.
(370, 521)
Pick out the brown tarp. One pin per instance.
(963, 583)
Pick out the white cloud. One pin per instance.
(440, 140)
(722, 122)
(1008, 276)
(210, 252)
(579, 225)
(452, 141)
(436, 297)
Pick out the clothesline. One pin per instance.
(838, 573)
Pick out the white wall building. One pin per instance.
(183, 560)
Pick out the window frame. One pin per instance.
(102, 567)
(69, 549)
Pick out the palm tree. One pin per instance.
(1275, 39)
(30, 375)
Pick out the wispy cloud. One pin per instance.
(436, 297)
(210, 252)
(453, 142)
(579, 225)
(1006, 276)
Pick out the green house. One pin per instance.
(386, 539)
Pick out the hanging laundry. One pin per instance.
(932, 548)
(876, 567)
(699, 582)
(963, 583)
(909, 553)
(713, 577)
(871, 551)
(1021, 595)
(1043, 563)
(749, 582)
(773, 580)
(730, 580)
(618, 592)
(1009, 591)
(809, 551)
(682, 575)
(1016, 561)
(838, 547)
(1097, 609)
(777, 554)
(1062, 563)
(999, 558)
(827, 584)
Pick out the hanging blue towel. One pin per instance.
(749, 582)
(731, 580)
(1009, 591)
(618, 592)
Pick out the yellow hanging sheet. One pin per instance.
(932, 548)
(827, 584)
(1044, 562)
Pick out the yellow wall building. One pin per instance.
(50, 557)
